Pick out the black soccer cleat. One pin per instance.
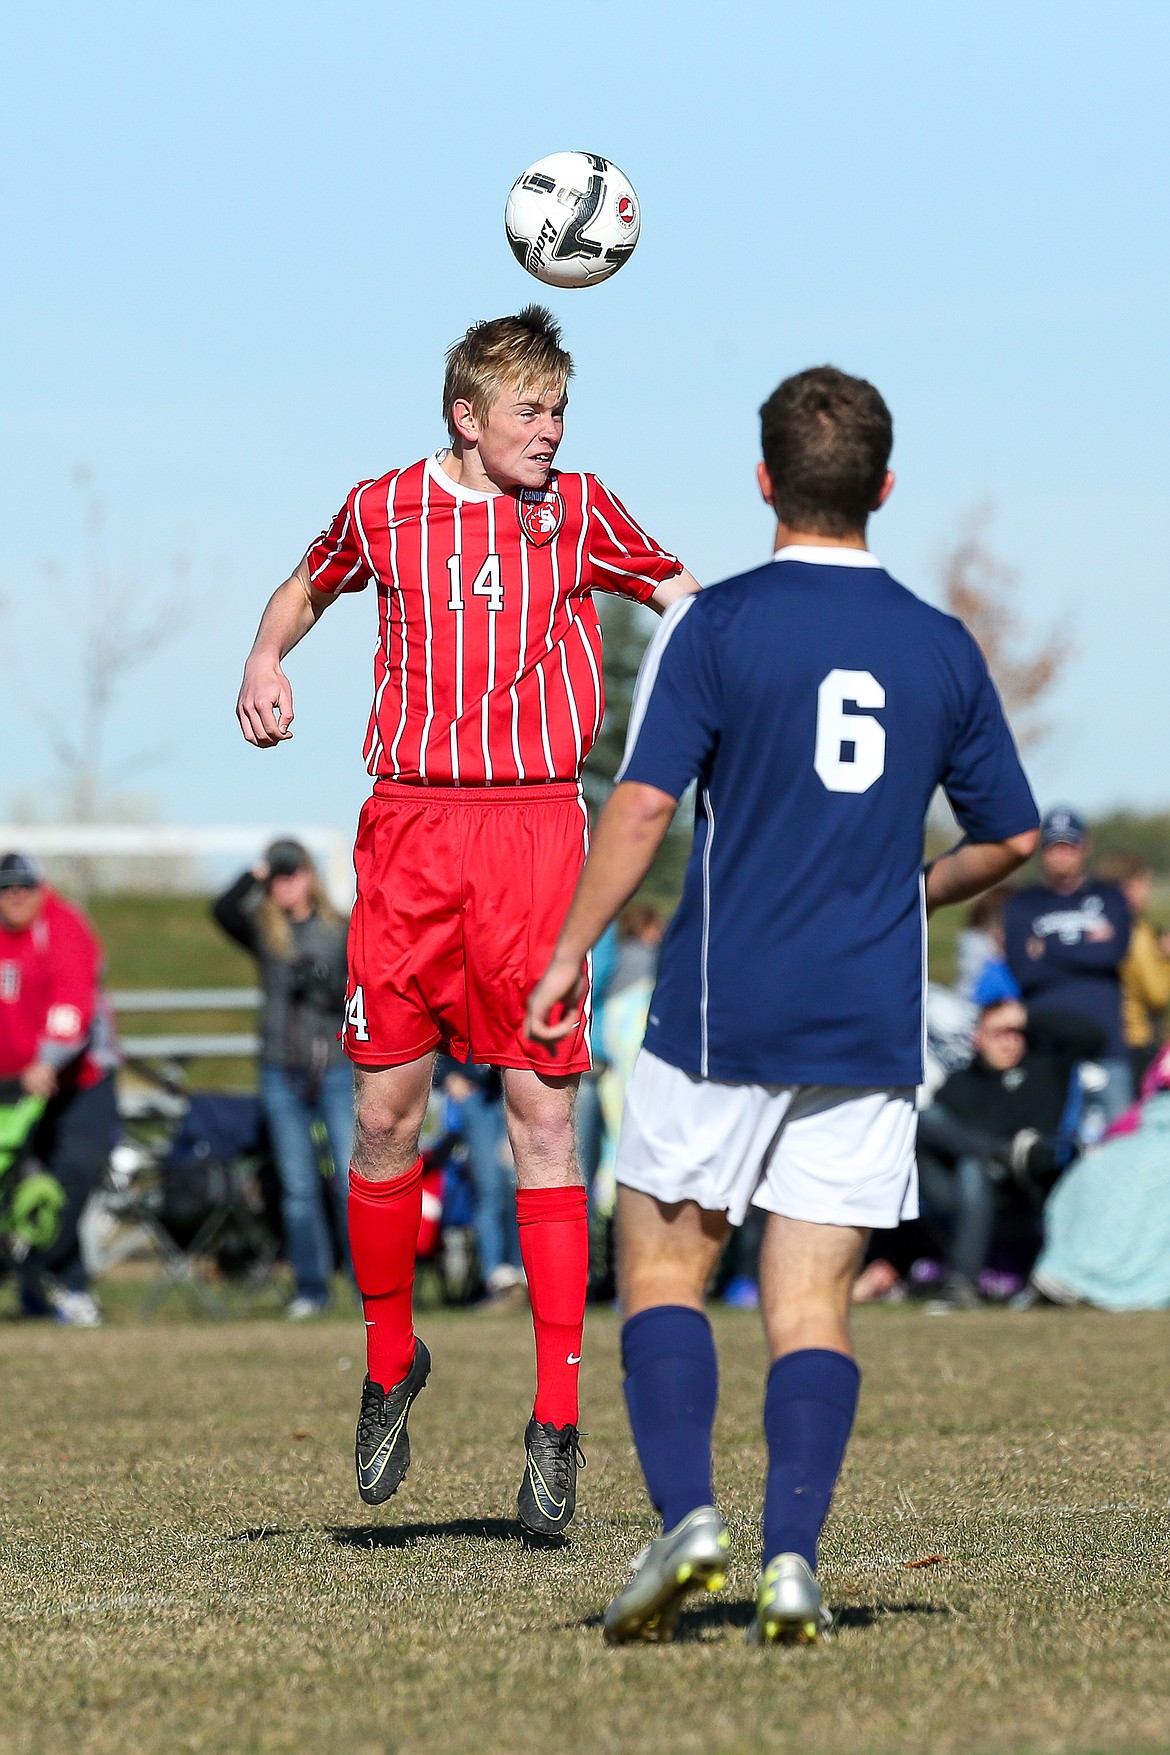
(548, 1491)
(382, 1447)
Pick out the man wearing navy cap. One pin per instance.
(1065, 940)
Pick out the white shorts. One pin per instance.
(833, 1154)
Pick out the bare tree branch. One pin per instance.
(978, 587)
(119, 630)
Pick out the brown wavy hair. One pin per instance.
(272, 923)
(826, 438)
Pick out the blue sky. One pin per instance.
(239, 238)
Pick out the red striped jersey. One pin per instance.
(488, 667)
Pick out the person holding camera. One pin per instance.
(280, 914)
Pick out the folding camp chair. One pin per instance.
(198, 1189)
(213, 1207)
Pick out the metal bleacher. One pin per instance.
(188, 1044)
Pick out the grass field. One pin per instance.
(171, 941)
(186, 1566)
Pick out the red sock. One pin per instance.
(554, 1246)
(383, 1236)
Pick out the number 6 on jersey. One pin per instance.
(860, 733)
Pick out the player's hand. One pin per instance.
(265, 705)
(554, 1005)
(39, 1080)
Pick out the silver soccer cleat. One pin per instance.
(692, 1556)
(789, 1610)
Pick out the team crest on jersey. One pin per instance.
(541, 512)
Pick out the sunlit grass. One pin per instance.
(186, 1565)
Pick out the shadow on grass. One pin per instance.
(869, 1614)
(692, 1623)
(405, 1535)
(715, 1617)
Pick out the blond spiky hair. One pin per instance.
(522, 352)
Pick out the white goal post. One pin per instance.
(148, 845)
(330, 847)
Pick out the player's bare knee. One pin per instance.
(380, 1149)
(541, 1128)
(818, 1322)
(645, 1286)
(545, 1151)
(387, 1122)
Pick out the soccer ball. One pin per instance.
(572, 219)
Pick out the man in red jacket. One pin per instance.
(57, 1041)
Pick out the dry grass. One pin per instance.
(186, 1566)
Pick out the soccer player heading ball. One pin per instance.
(487, 699)
(818, 705)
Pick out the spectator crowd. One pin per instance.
(1067, 980)
(1043, 1135)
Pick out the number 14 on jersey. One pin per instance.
(487, 583)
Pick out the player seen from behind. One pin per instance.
(487, 699)
(818, 704)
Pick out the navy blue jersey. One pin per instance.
(1067, 951)
(818, 704)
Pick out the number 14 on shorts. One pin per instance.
(355, 1017)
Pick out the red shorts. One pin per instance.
(461, 894)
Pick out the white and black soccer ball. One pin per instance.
(572, 219)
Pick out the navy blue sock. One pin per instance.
(672, 1386)
(808, 1414)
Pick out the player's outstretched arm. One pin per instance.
(264, 707)
(630, 830)
(682, 584)
(974, 866)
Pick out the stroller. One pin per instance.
(31, 1201)
(193, 1179)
